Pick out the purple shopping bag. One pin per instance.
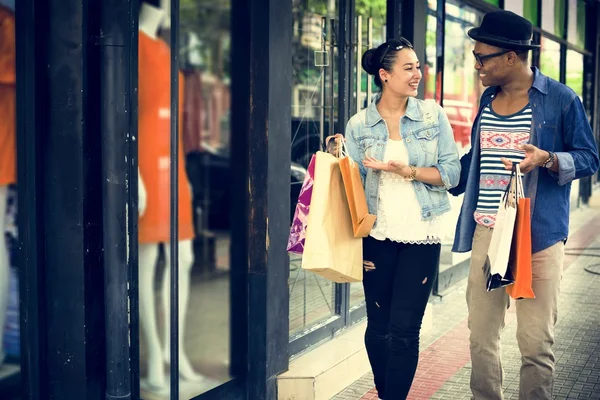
(298, 229)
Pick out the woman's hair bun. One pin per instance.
(370, 63)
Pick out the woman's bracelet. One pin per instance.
(413, 173)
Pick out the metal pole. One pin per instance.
(114, 120)
(369, 46)
(358, 63)
(323, 72)
(132, 213)
(332, 76)
(174, 264)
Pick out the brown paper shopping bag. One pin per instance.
(330, 248)
(362, 221)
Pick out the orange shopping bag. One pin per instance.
(362, 221)
(520, 257)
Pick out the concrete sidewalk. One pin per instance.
(444, 365)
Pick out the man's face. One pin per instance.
(495, 69)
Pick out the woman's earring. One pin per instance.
(385, 81)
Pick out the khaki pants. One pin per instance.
(536, 319)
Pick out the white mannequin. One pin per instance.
(4, 260)
(4, 267)
(150, 21)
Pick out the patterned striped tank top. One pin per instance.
(500, 137)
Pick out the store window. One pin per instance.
(204, 196)
(371, 14)
(553, 17)
(574, 79)
(575, 72)
(462, 91)
(576, 24)
(431, 76)
(550, 58)
(525, 8)
(317, 305)
(9, 278)
(314, 99)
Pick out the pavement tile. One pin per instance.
(577, 333)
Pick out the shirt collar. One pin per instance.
(413, 111)
(540, 83)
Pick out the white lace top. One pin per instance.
(398, 210)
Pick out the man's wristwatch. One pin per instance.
(550, 161)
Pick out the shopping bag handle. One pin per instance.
(514, 187)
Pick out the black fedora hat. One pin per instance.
(506, 30)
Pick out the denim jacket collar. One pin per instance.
(413, 111)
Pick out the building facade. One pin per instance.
(132, 275)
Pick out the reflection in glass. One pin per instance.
(525, 8)
(430, 75)
(314, 114)
(574, 80)
(9, 277)
(550, 58)
(576, 23)
(204, 305)
(373, 16)
(553, 16)
(462, 91)
(575, 72)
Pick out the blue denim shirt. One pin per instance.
(559, 125)
(429, 140)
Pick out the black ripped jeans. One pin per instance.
(396, 293)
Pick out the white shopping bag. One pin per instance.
(499, 274)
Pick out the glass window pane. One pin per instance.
(10, 350)
(581, 19)
(576, 24)
(553, 16)
(373, 12)
(430, 75)
(204, 196)
(515, 6)
(574, 80)
(530, 11)
(575, 72)
(314, 108)
(462, 91)
(525, 8)
(549, 58)
(494, 2)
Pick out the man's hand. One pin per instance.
(397, 167)
(334, 147)
(534, 157)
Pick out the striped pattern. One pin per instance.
(501, 137)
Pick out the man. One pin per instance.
(528, 118)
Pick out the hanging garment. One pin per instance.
(8, 170)
(193, 111)
(154, 144)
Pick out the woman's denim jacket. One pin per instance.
(428, 137)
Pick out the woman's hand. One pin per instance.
(334, 147)
(395, 166)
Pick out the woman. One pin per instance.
(408, 160)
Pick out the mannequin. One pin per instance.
(7, 143)
(154, 133)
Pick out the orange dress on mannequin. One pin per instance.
(154, 144)
(8, 146)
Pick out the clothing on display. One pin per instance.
(193, 111)
(154, 144)
(7, 98)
